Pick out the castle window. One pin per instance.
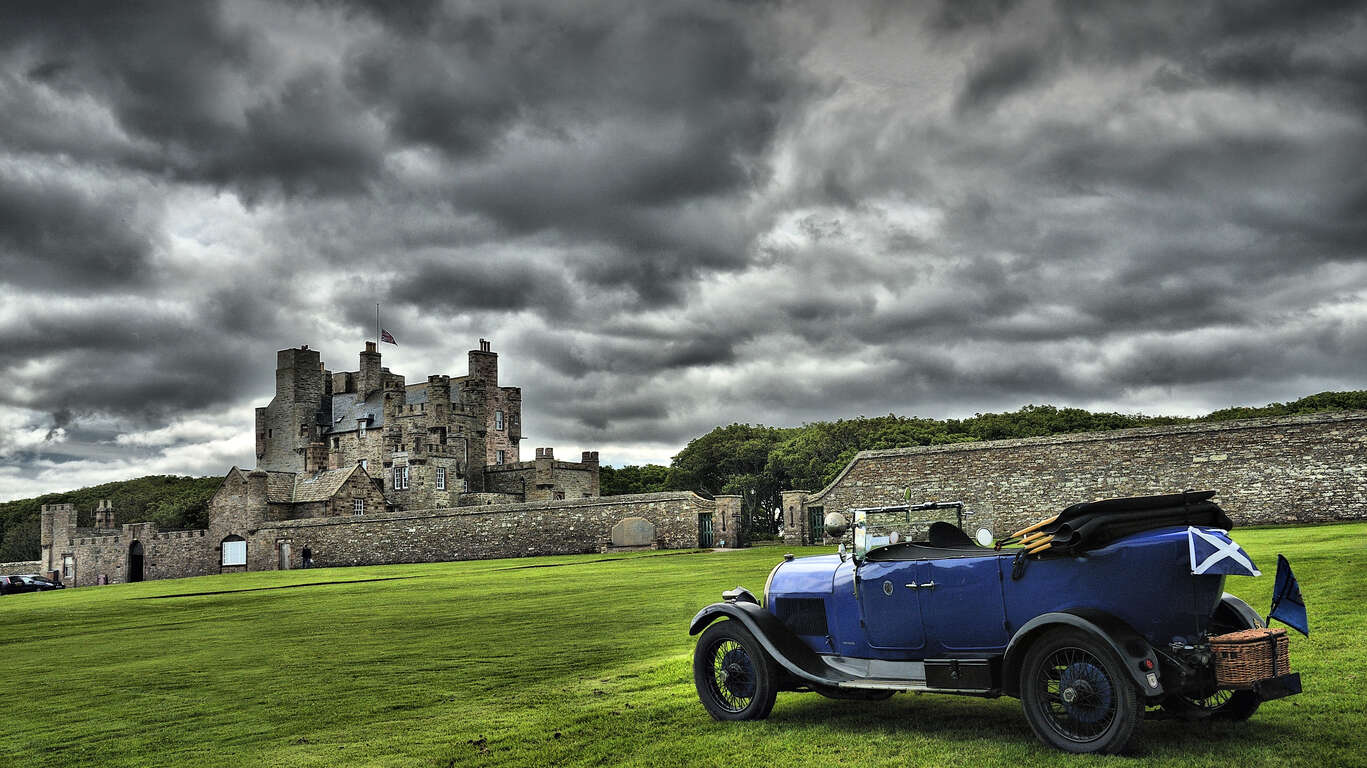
(362, 462)
(465, 485)
(498, 457)
(234, 551)
(498, 419)
(401, 478)
(358, 507)
(68, 567)
(559, 495)
(441, 478)
(360, 428)
(270, 433)
(303, 430)
(336, 443)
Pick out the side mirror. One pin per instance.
(984, 537)
(836, 525)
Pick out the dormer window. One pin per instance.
(360, 428)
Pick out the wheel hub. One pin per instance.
(1085, 691)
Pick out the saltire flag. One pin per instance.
(1213, 552)
(1288, 606)
(386, 336)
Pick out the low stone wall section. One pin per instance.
(21, 566)
(571, 526)
(1296, 469)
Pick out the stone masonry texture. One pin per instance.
(1266, 471)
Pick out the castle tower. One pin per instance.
(498, 409)
(286, 426)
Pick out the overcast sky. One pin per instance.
(669, 216)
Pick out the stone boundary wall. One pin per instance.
(563, 527)
(21, 566)
(1309, 468)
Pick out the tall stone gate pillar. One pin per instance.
(794, 518)
(726, 529)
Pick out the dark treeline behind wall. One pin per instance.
(757, 462)
(753, 461)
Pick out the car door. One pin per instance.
(962, 606)
(889, 605)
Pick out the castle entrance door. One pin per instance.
(135, 561)
(284, 556)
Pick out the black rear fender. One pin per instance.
(784, 647)
(1129, 646)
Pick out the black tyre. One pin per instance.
(1077, 695)
(735, 679)
(1216, 704)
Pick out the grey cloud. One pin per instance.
(58, 237)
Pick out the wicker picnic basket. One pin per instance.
(1245, 657)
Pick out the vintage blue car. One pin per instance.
(1088, 617)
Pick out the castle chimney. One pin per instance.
(369, 378)
(316, 457)
(104, 514)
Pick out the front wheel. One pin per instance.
(735, 679)
(1077, 695)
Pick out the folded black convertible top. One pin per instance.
(1095, 524)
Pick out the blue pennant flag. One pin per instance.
(1287, 605)
(1213, 552)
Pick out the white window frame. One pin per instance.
(498, 420)
(401, 478)
(235, 550)
(362, 462)
(360, 429)
(68, 566)
(441, 478)
(499, 456)
(357, 507)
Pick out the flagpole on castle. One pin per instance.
(377, 325)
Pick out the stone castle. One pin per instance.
(444, 442)
(361, 467)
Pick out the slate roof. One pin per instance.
(348, 407)
(304, 487)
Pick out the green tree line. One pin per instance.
(757, 462)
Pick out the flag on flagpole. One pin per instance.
(386, 337)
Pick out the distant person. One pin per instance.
(308, 557)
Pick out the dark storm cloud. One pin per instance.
(55, 236)
(1002, 75)
(179, 80)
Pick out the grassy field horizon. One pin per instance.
(581, 660)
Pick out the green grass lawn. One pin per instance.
(585, 663)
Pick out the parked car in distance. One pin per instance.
(1089, 617)
(29, 582)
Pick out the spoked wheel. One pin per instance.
(734, 677)
(1076, 694)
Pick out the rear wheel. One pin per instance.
(1077, 695)
(735, 679)
(1213, 703)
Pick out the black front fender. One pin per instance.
(1129, 646)
(786, 649)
